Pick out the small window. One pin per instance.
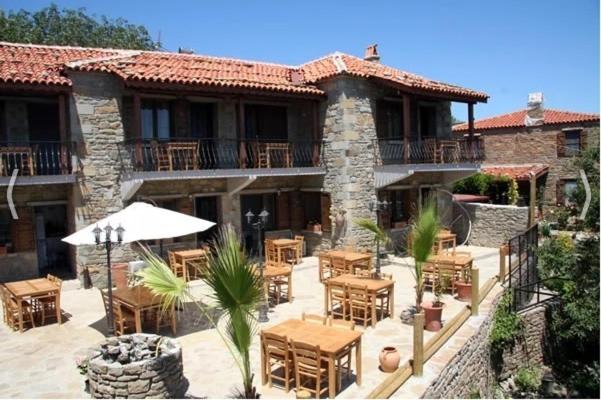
(156, 119)
(266, 122)
(572, 143)
(569, 187)
(427, 121)
(389, 119)
(312, 207)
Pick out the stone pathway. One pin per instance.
(40, 363)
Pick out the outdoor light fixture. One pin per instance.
(259, 226)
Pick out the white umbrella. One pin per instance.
(142, 221)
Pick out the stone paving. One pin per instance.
(40, 363)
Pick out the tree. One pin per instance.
(589, 162)
(71, 27)
(379, 235)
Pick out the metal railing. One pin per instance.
(429, 151)
(180, 154)
(36, 158)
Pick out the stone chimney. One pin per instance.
(371, 53)
(184, 50)
(535, 113)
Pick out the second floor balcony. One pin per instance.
(39, 158)
(429, 151)
(185, 154)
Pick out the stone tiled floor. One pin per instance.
(41, 362)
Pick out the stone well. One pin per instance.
(128, 367)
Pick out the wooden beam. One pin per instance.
(475, 291)
(418, 344)
(470, 120)
(532, 208)
(406, 126)
(137, 117)
(241, 129)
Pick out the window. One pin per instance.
(156, 119)
(569, 186)
(266, 121)
(5, 218)
(312, 208)
(389, 119)
(42, 120)
(572, 142)
(397, 205)
(427, 120)
(202, 120)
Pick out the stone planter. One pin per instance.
(464, 290)
(433, 316)
(128, 366)
(389, 359)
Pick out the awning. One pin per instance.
(518, 172)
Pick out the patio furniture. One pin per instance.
(352, 259)
(339, 266)
(175, 155)
(374, 287)
(187, 258)
(24, 291)
(124, 320)
(308, 366)
(331, 341)
(274, 155)
(444, 240)
(287, 245)
(177, 268)
(301, 246)
(460, 261)
(280, 276)
(140, 299)
(271, 254)
(197, 267)
(336, 296)
(446, 150)
(317, 319)
(343, 362)
(383, 297)
(325, 267)
(47, 303)
(360, 303)
(277, 354)
(10, 309)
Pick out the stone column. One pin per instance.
(97, 125)
(349, 133)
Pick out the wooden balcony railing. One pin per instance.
(180, 154)
(35, 158)
(429, 151)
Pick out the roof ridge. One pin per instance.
(111, 57)
(59, 46)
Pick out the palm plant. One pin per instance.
(423, 236)
(236, 290)
(379, 236)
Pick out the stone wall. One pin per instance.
(492, 224)
(473, 369)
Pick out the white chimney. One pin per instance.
(371, 53)
(535, 115)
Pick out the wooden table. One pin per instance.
(286, 244)
(138, 299)
(31, 288)
(459, 261)
(183, 256)
(270, 272)
(331, 341)
(352, 258)
(444, 238)
(374, 286)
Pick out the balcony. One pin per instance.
(429, 151)
(35, 159)
(182, 154)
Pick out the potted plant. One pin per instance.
(464, 285)
(433, 309)
(379, 235)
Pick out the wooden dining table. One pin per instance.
(140, 299)
(332, 342)
(187, 258)
(272, 272)
(460, 261)
(352, 258)
(282, 245)
(374, 286)
(29, 289)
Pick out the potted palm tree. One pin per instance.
(433, 309)
(423, 235)
(464, 286)
(379, 236)
(236, 290)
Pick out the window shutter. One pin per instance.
(326, 203)
(561, 144)
(583, 140)
(283, 212)
(559, 198)
(22, 232)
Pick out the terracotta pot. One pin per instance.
(464, 291)
(433, 316)
(389, 359)
(119, 275)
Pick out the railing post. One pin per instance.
(502, 263)
(418, 344)
(475, 290)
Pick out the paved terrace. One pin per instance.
(40, 363)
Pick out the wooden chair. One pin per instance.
(271, 253)
(10, 309)
(47, 303)
(314, 318)
(162, 156)
(429, 275)
(359, 304)
(300, 247)
(309, 366)
(343, 360)
(177, 268)
(279, 287)
(325, 267)
(124, 320)
(339, 266)
(184, 155)
(337, 300)
(446, 272)
(383, 297)
(277, 354)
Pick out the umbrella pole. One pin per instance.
(110, 316)
(161, 247)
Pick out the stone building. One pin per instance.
(91, 130)
(536, 142)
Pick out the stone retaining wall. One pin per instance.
(492, 224)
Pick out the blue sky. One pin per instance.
(506, 48)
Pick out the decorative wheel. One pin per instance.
(456, 218)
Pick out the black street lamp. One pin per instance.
(378, 206)
(259, 226)
(108, 244)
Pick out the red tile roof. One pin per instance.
(516, 120)
(517, 172)
(38, 64)
(339, 63)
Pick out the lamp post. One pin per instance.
(259, 224)
(108, 244)
(378, 206)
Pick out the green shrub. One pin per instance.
(474, 184)
(506, 324)
(528, 379)
(556, 259)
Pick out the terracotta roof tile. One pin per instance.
(517, 172)
(516, 120)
